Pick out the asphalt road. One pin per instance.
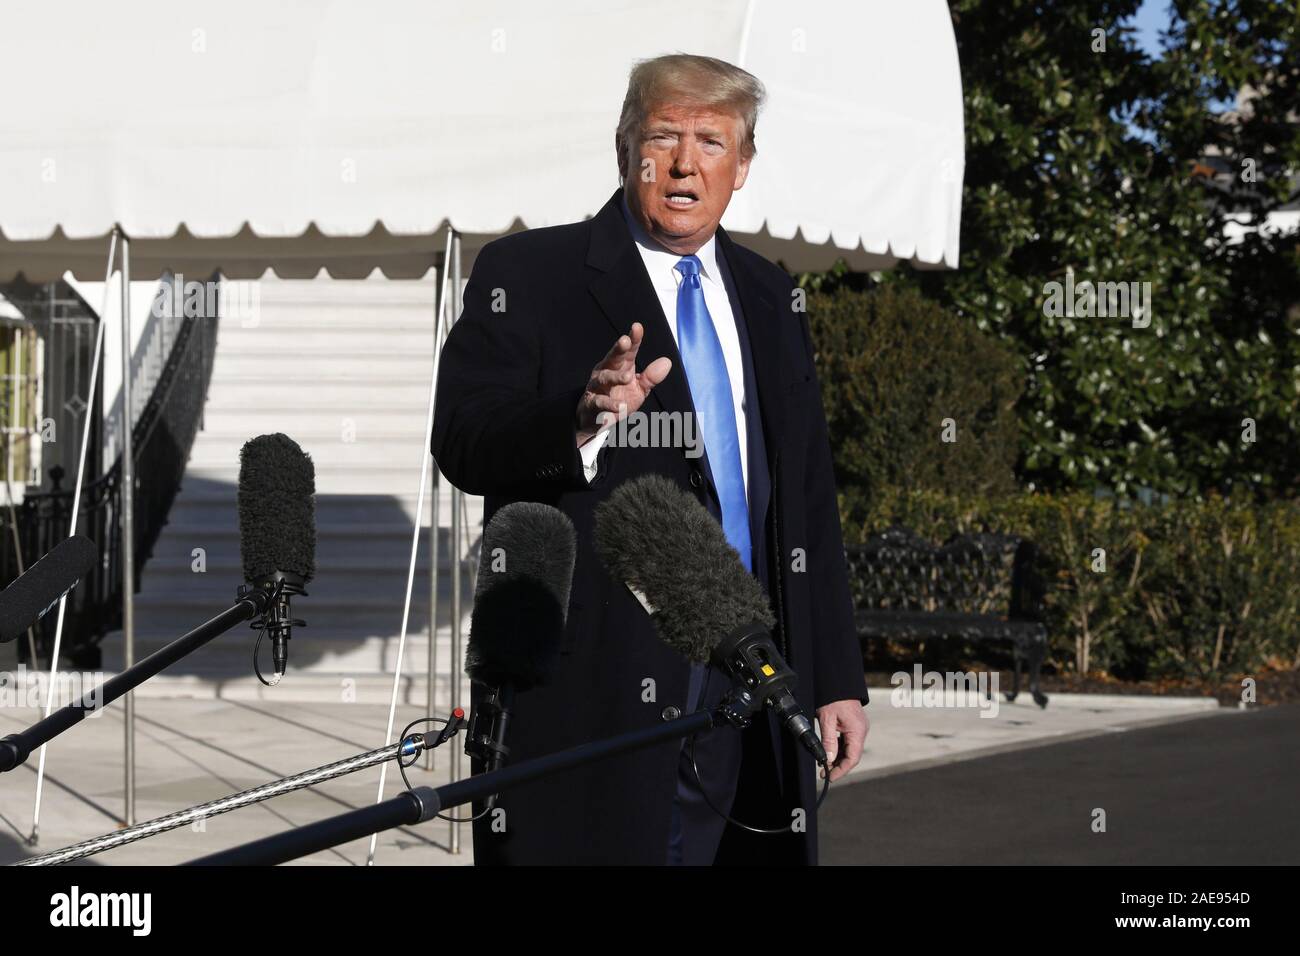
(1222, 789)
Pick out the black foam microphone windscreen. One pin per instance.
(277, 510)
(30, 597)
(521, 601)
(656, 538)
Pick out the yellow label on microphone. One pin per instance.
(767, 670)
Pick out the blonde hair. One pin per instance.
(701, 81)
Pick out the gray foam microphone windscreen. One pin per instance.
(277, 510)
(521, 600)
(655, 537)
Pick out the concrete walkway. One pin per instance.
(192, 750)
(907, 738)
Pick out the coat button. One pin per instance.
(670, 713)
(696, 480)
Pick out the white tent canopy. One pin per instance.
(245, 135)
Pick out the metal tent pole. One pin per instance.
(72, 526)
(420, 487)
(456, 664)
(431, 675)
(128, 533)
(440, 325)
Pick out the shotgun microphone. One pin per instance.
(277, 535)
(39, 588)
(521, 602)
(672, 555)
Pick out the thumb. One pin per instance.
(830, 729)
(656, 372)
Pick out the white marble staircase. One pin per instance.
(343, 368)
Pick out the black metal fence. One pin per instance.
(162, 438)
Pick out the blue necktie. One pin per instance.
(706, 374)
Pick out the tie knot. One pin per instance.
(689, 265)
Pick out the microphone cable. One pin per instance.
(773, 831)
(257, 647)
(402, 765)
(277, 616)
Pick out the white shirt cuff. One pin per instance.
(591, 451)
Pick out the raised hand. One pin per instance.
(615, 388)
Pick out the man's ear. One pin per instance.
(620, 150)
(742, 173)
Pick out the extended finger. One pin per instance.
(617, 352)
(608, 403)
(638, 333)
(854, 742)
(605, 378)
(656, 372)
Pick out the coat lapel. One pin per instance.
(762, 316)
(625, 295)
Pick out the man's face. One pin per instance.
(682, 174)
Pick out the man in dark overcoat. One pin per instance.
(650, 311)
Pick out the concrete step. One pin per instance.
(297, 421)
(373, 481)
(350, 397)
(340, 626)
(305, 319)
(373, 584)
(336, 572)
(342, 293)
(339, 430)
(382, 578)
(349, 639)
(344, 368)
(231, 654)
(302, 320)
(334, 550)
(344, 535)
(216, 454)
(337, 339)
(177, 610)
(317, 370)
(306, 687)
(213, 503)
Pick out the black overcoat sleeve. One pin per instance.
(494, 433)
(837, 653)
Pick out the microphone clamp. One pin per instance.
(277, 620)
(488, 722)
(749, 655)
(738, 707)
(455, 723)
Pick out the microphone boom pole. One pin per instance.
(308, 778)
(421, 804)
(16, 748)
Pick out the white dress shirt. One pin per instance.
(661, 265)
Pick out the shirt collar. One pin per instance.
(651, 251)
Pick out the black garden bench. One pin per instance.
(976, 586)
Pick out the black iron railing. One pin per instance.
(161, 439)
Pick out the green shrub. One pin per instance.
(1190, 589)
(1220, 593)
(893, 367)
